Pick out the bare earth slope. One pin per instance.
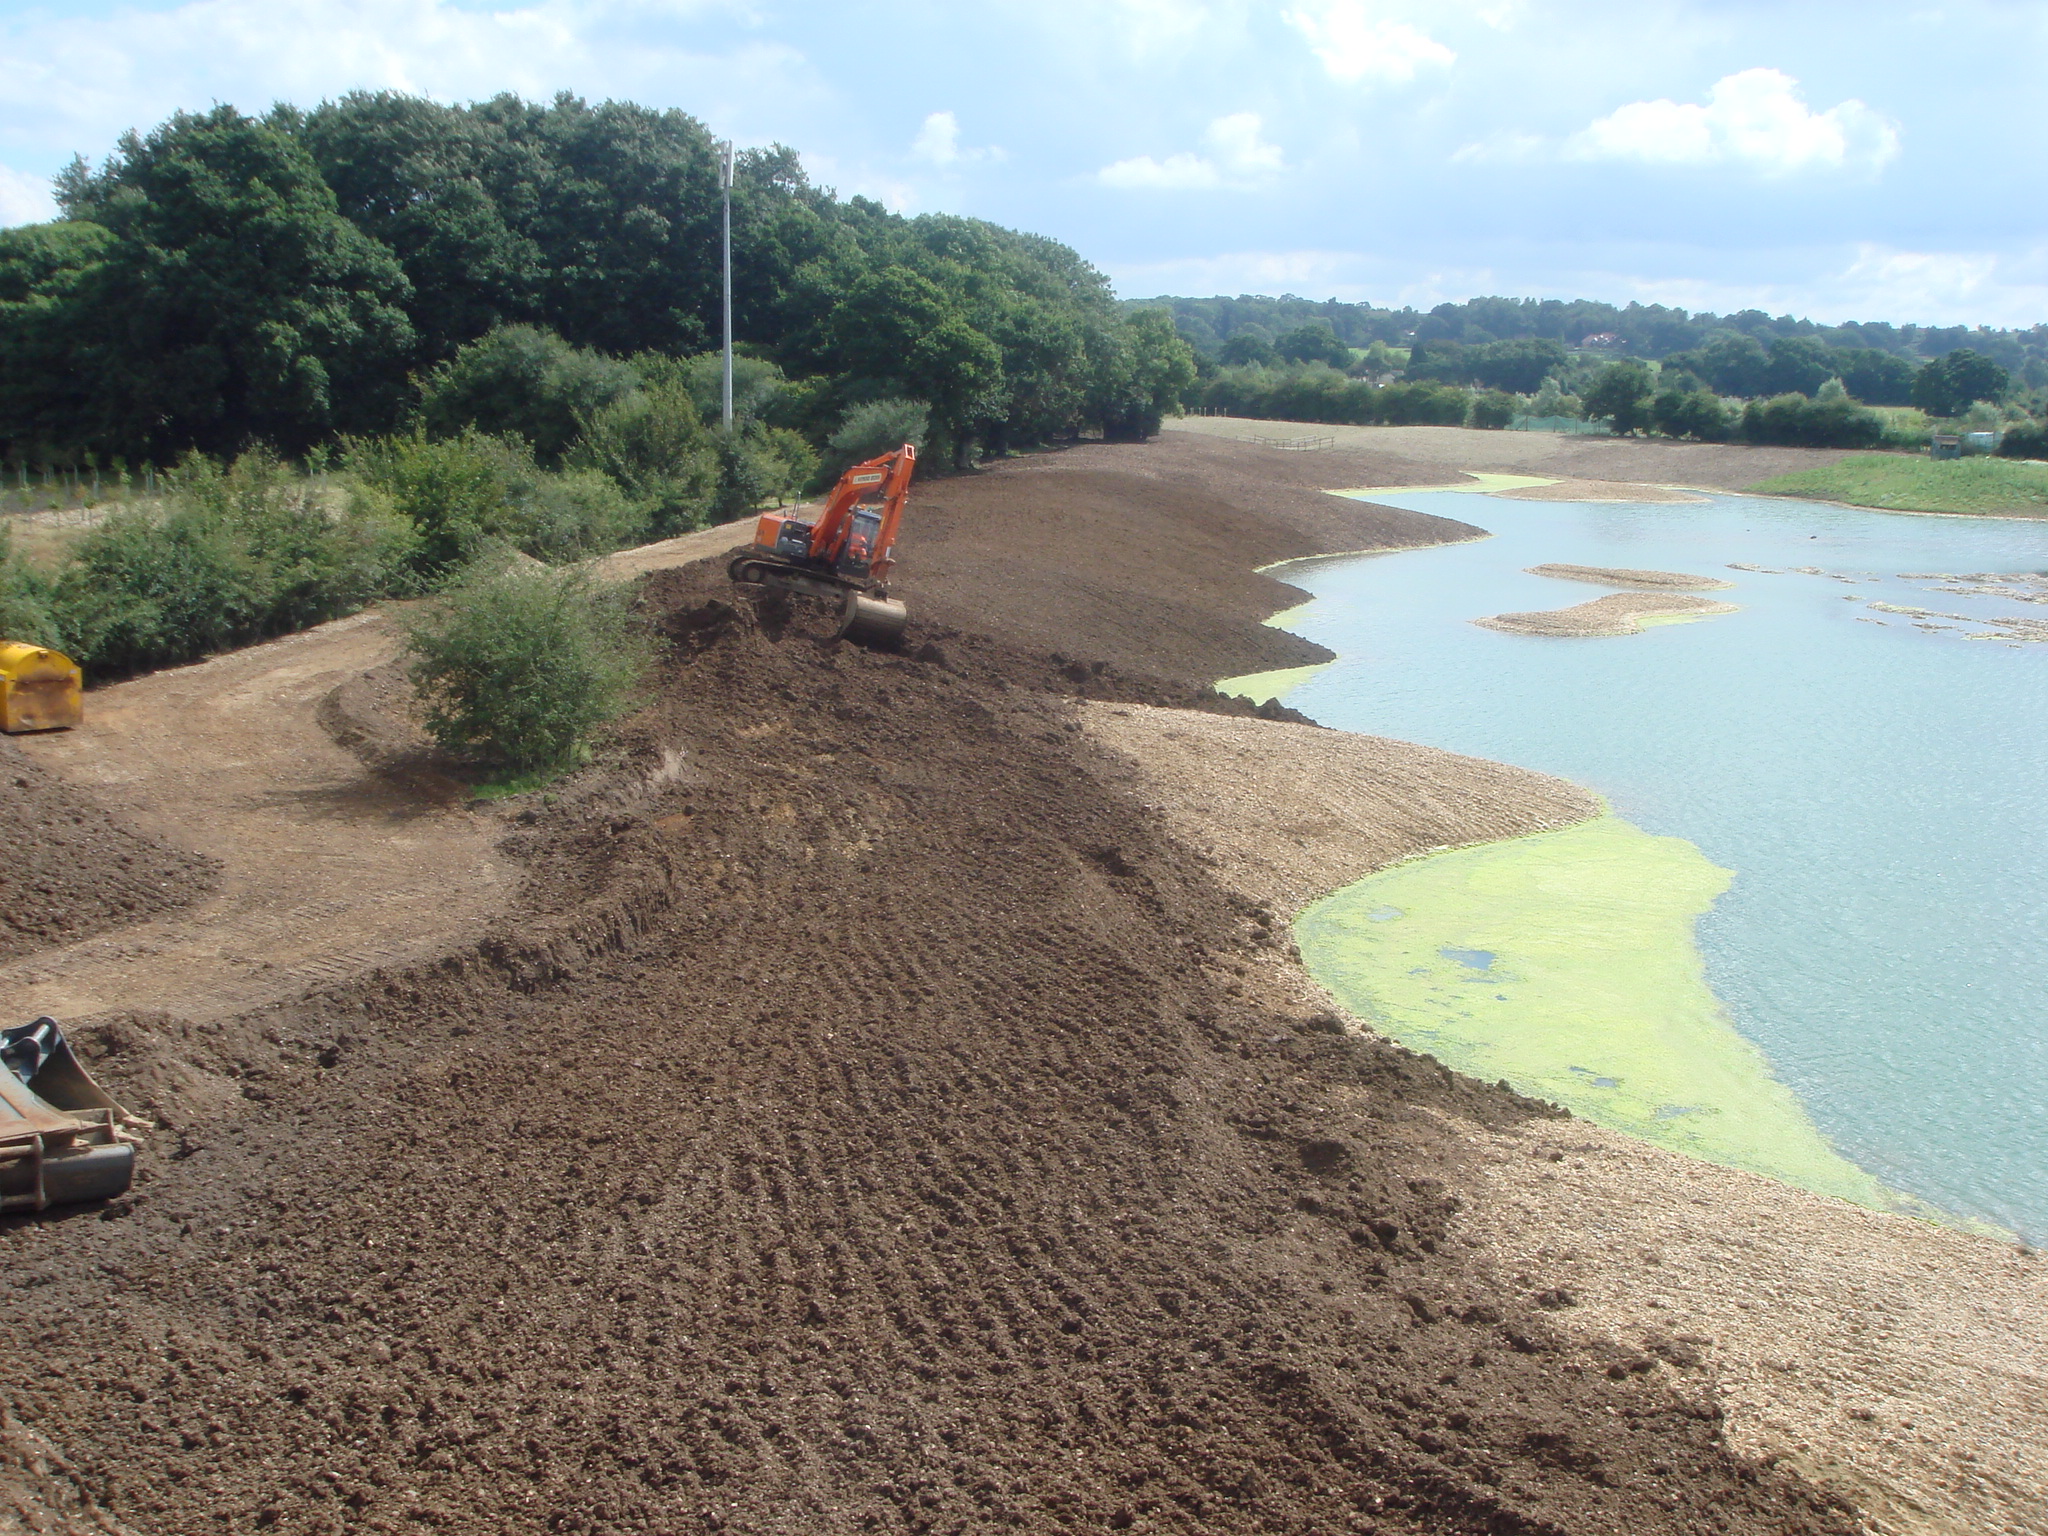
(877, 1125)
(68, 870)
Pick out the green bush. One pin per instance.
(28, 606)
(653, 445)
(232, 556)
(871, 430)
(1621, 393)
(525, 381)
(323, 549)
(2024, 440)
(1436, 405)
(1794, 421)
(572, 516)
(472, 493)
(1694, 413)
(1491, 410)
(518, 666)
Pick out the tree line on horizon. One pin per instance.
(302, 277)
(1652, 332)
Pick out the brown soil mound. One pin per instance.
(873, 1132)
(68, 870)
(1618, 614)
(1617, 576)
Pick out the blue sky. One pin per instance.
(1844, 161)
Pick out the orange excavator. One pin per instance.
(843, 557)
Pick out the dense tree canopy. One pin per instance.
(287, 279)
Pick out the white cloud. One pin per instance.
(1238, 158)
(1358, 47)
(24, 199)
(1755, 119)
(938, 143)
(74, 83)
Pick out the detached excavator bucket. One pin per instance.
(874, 621)
(40, 689)
(60, 1135)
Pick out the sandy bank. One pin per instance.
(1617, 576)
(1575, 489)
(1622, 613)
(1903, 1366)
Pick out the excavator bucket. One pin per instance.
(40, 689)
(60, 1134)
(873, 621)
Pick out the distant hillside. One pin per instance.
(1635, 330)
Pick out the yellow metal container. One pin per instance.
(40, 690)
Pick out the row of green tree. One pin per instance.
(1648, 331)
(294, 279)
(1625, 395)
(1730, 365)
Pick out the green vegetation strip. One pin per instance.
(1564, 963)
(1903, 483)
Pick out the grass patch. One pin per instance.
(1984, 487)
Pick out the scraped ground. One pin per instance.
(868, 1116)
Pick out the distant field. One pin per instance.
(1902, 483)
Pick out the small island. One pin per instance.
(1619, 613)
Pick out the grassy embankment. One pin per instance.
(1901, 483)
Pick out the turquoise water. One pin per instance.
(1879, 788)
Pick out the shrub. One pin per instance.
(1491, 410)
(1435, 405)
(1694, 413)
(323, 549)
(654, 446)
(1621, 392)
(145, 590)
(518, 666)
(232, 556)
(572, 516)
(472, 493)
(757, 464)
(28, 599)
(870, 430)
(1793, 421)
(523, 380)
(2025, 440)
(757, 384)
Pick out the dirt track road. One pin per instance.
(328, 868)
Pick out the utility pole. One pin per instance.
(725, 187)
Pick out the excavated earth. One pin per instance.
(867, 1118)
(69, 871)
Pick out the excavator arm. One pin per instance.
(856, 535)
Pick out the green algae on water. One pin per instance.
(1261, 686)
(1565, 964)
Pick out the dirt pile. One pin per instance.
(68, 870)
(869, 1121)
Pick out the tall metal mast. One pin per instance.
(725, 187)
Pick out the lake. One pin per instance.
(1876, 780)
